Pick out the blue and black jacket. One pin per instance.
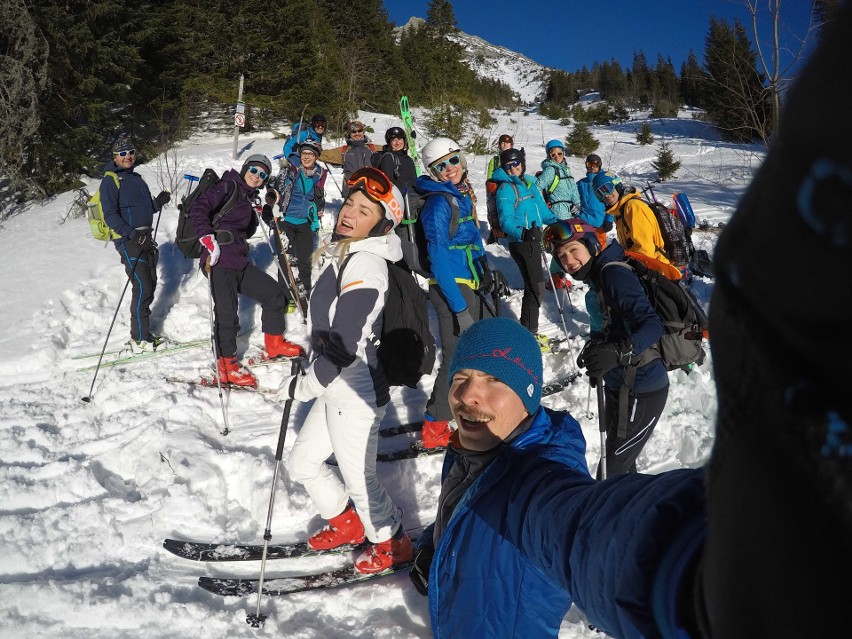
(128, 207)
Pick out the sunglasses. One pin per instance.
(357, 131)
(512, 164)
(559, 153)
(319, 125)
(442, 166)
(256, 171)
(603, 190)
(123, 154)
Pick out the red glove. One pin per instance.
(559, 281)
(209, 242)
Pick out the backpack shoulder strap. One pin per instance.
(114, 177)
(227, 205)
(340, 271)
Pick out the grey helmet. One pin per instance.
(257, 159)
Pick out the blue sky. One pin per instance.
(569, 34)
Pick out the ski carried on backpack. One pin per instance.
(410, 133)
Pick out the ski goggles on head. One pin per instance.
(377, 187)
(604, 189)
(562, 232)
(396, 136)
(511, 164)
(256, 171)
(442, 166)
(123, 154)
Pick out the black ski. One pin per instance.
(401, 429)
(290, 585)
(414, 450)
(200, 551)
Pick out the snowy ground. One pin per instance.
(88, 491)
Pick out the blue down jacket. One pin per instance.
(535, 531)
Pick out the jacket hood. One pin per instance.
(234, 176)
(612, 253)
(388, 247)
(425, 184)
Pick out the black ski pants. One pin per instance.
(141, 268)
(438, 405)
(253, 283)
(527, 256)
(301, 239)
(643, 414)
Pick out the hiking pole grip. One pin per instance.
(295, 368)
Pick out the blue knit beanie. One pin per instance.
(503, 348)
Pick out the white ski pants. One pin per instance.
(352, 437)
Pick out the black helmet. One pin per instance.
(396, 132)
(514, 155)
(318, 118)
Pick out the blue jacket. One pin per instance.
(592, 210)
(518, 213)
(129, 207)
(535, 531)
(307, 133)
(453, 259)
(630, 317)
(302, 195)
(565, 196)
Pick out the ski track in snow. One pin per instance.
(89, 491)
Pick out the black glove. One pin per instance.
(419, 574)
(144, 240)
(271, 196)
(532, 234)
(162, 199)
(486, 281)
(599, 358)
(266, 214)
(606, 227)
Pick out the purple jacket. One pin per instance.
(240, 221)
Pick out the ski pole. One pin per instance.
(285, 279)
(559, 306)
(601, 425)
(256, 619)
(209, 270)
(88, 398)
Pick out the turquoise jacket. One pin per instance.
(592, 210)
(564, 195)
(520, 205)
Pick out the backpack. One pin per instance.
(406, 347)
(677, 239)
(415, 253)
(185, 237)
(95, 214)
(684, 321)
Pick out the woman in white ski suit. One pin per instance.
(347, 380)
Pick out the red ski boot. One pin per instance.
(435, 434)
(346, 528)
(381, 556)
(232, 372)
(277, 346)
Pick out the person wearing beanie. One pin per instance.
(504, 142)
(459, 269)
(523, 214)
(635, 224)
(522, 530)
(225, 260)
(301, 199)
(346, 381)
(624, 327)
(356, 153)
(129, 213)
(592, 210)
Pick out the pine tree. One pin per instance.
(691, 79)
(644, 136)
(580, 141)
(665, 164)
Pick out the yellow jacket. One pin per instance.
(637, 227)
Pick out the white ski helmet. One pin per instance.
(437, 150)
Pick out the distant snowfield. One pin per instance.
(89, 491)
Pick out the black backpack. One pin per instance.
(185, 237)
(406, 347)
(414, 248)
(684, 321)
